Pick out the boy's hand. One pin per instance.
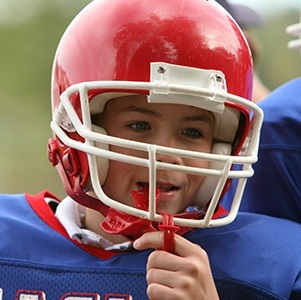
(186, 274)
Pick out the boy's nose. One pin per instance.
(169, 158)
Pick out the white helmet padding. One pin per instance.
(103, 163)
(209, 184)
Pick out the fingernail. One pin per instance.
(136, 243)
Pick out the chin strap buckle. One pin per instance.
(169, 230)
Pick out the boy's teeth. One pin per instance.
(161, 188)
(164, 189)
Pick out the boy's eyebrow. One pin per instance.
(142, 110)
(204, 116)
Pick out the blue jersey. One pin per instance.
(255, 257)
(275, 189)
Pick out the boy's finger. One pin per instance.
(149, 240)
(154, 240)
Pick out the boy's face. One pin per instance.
(171, 125)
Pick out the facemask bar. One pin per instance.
(214, 97)
(295, 30)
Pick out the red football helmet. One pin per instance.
(188, 52)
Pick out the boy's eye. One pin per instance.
(140, 126)
(191, 132)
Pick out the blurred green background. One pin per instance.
(29, 33)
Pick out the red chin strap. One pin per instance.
(117, 222)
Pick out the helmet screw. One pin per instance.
(69, 126)
(161, 69)
(219, 78)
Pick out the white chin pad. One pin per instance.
(102, 163)
(209, 184)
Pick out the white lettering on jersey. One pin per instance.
(118, 297)
(30, 295)
(80, 296)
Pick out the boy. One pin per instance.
(150, 110)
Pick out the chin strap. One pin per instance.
(117, 222)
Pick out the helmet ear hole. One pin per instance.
(102, 163)
(209, 184)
